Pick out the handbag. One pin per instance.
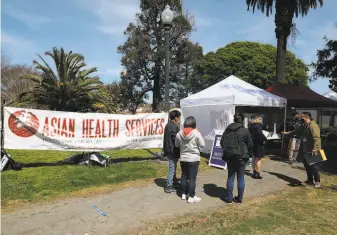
(313, 158)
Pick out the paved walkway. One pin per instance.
(134, 207)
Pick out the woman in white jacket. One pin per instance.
(189, 140)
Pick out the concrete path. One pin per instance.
(134, 207)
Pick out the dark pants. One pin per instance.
(236, 167)
(312, 172)
(189, 177)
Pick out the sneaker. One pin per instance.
(194, 199)
(183, 197)
(170, 190)
(228, 201)
(197, 199)
(317, 184)
(258, 176)
(236, 200)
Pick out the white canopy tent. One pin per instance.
(214, 107)
(331, 95)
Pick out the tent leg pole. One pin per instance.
(284, 127)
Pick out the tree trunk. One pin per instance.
(281, 54)
(283, 22)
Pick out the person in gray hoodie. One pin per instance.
(189, 140)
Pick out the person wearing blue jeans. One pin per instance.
(237, 145)
(236, 167)
(170, 150)
(171, 175)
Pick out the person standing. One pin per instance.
(259, 140)
(170, 151)
(311, 140)
(295, 138)
(237, 146)
(189, 141)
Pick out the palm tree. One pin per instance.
(284, 16)
(68, 88)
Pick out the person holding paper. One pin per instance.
(311, 139)
(259, 140)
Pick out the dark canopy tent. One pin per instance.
(301, 96)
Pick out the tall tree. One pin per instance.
(183, 74)
(115, 93)
(144, 51)
(69, 88)
(251, 61)
(125, 95)
(11, 84)
(326, 65)
(286, 10)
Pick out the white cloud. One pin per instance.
(32, 20)
(114, 16)
(17, 48)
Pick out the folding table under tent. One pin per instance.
(214, 107)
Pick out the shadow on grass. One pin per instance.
(113, 161)
(213, 190)
(332, 187)
(292, 181)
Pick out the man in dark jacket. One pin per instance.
(170, 151)
(237, 164)
(295, 139)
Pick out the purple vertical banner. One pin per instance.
(215, 158)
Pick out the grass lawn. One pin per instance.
(38, 184)
(298, 210)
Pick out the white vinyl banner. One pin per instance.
(53, 130)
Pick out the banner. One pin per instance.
(215, 158)
(54, 130)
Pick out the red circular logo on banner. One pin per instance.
(24, 124)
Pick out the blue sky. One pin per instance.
(95, 28)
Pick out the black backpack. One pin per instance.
(231, 146)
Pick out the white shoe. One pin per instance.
(194, 199)
(197, 199)
(183, 197)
